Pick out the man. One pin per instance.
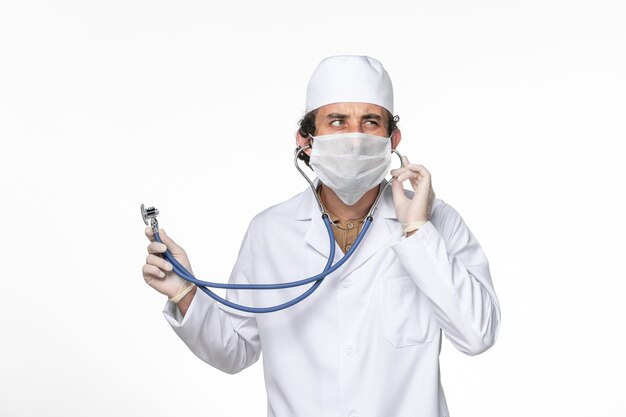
(367, 342)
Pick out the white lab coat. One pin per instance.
(367, 342)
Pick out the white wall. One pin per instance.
(515, 107)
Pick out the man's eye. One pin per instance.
(336, 123)
(371, 122)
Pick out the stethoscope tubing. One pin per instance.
(328, 269)
(319, 278)
(180, 269)
(282, 306)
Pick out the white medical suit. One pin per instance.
(367, 342)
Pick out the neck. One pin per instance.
(356, 211)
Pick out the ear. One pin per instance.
(396, 136)
(303, 141)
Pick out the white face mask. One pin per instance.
(350, 163)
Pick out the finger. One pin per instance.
(397, 191)
(150, 272)
(408, 175)
(159, 262)
(419, 168)
(405, 161)
(421, 173)
(397, 171)
(156, 247)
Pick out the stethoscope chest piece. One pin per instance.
(149, 216)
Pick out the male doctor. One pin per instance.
(367, 342)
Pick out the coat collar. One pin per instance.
(384, 230)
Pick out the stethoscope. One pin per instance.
(149, 217)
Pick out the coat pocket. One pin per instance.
(406, 312)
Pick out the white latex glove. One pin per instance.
(416, 210)
(157, 272)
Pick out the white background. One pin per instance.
(516, 108)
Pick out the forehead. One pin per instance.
(351, 109)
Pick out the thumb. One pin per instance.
(397, 190)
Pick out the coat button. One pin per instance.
(348, 247)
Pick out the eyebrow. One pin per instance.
(345, 116)
(336, 116)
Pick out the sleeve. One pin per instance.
(222, 337)
(446, 262)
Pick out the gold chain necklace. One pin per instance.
(357, 222)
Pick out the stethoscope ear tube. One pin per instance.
(297, 153)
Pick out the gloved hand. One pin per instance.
(158, 272)
(414, 211)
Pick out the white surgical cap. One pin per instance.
(349, 78)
